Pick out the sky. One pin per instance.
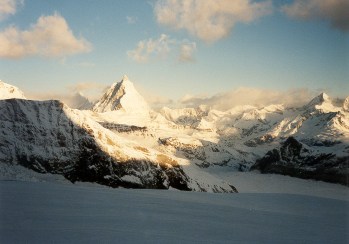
(177, 51)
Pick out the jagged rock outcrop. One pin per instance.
(296, 159)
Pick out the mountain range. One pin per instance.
(120, 141)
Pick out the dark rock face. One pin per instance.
(293, 159)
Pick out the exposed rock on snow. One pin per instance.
(296, 159)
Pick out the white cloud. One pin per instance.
(8, 7)
(334, 11)
(131, 19)
(209, 20)
(161, 48)
(187, 50)
(249, 96)
(155, 100)
(49, 37)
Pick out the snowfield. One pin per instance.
(47, 212)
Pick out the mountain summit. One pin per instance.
(122, 96)
(8, 91)
(321, 103)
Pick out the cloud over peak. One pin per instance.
(336, 12)
(249, 96)
(209, 20)
(50, 36)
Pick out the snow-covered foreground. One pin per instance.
(255, 182)
(46, 212)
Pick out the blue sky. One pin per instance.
(270, 45)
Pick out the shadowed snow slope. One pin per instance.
(43, 212)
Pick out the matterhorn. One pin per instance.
(122, 96)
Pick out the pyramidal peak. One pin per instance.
(323, 97)
(122, 96)
(318, 100)
(321, 103)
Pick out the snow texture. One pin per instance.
(36, 212)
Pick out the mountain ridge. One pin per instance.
(201, 140)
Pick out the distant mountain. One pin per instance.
(79, 101)
(122, 142)
(243, 136)
(8, 91)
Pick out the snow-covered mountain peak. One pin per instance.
(8, 91)
(318, 100)
(122, 96)
(321, 103)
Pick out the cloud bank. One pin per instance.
(209, 20)
(249, 96)
(336, 12)
(161, 48)
(8, 7)
(50, 36)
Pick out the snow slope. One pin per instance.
(45, 212)
(8, 91)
